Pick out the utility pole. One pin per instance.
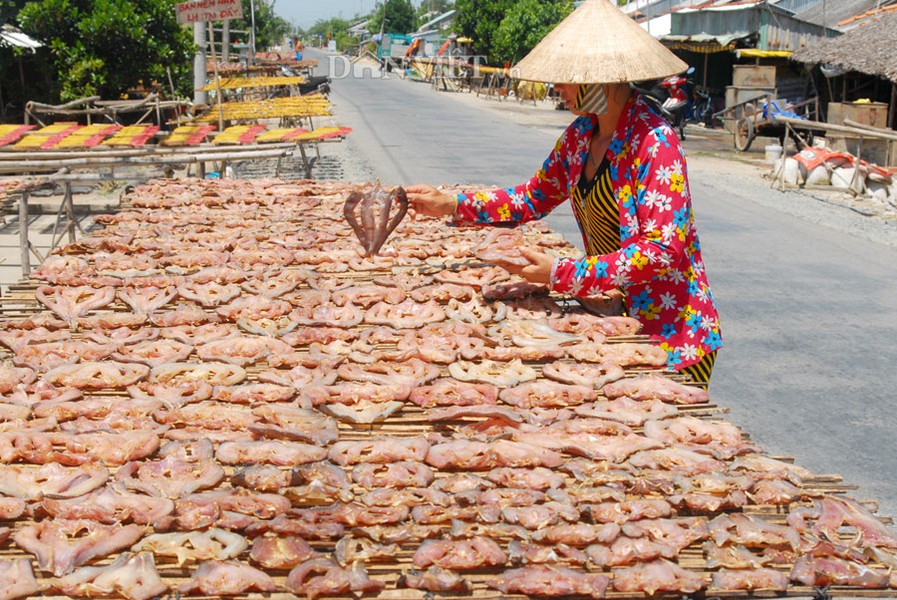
(225, 41)
(199, 63)
(383, 59)
(252, 32)
(650, 12)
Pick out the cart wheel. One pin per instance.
(744, 134)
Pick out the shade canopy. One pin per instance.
(598, 43)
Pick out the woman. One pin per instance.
(623, 169)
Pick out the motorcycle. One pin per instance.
(677, 102)
(316, 84)
(702, 107)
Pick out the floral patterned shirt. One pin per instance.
(659, 266)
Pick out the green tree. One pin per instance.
(524, 26)
(478, 20)
(105, 47)
(337, 30)
(329, 28)
(270, 29)
(400, 17)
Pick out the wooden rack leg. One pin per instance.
(73, 223)
(822, 594)
(482, 83)
(56, 221)
(36, 252)
(856, 168)
(778, 181)
(305, 164)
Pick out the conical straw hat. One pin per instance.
(598, 43)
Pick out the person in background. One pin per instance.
(623, 169)
(299, 48)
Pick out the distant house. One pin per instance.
(840, 16)
(861, 63)
(360, 30)
(716, 36)
(719, 37)
(439, 22)
(435, 31)
(757, 24)
(866, 48)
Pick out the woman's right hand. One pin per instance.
(429, 201)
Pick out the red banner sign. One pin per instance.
(208, 10)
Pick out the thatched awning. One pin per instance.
(867, 48)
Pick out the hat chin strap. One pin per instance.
(590, 98)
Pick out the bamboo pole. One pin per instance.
(53, 239)
(24, 255)
(887, 134)
(892, 120)
(69, 203)
(853, 130)
(33, 181)
(892, 107)
(14, 156)
(73, 223)
(47, 165)
(217, 78)
(40, 106)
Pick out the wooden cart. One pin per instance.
(758, 117)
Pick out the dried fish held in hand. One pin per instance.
(369, 215)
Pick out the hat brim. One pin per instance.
(598, 43)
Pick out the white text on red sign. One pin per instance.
(208, 10)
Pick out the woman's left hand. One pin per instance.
(539, 269)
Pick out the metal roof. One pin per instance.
(718, 6)
(831, 14)
(436, 21)
(12, 37)
(359, 27)
(756, 23)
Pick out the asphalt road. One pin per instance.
(808, 303)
